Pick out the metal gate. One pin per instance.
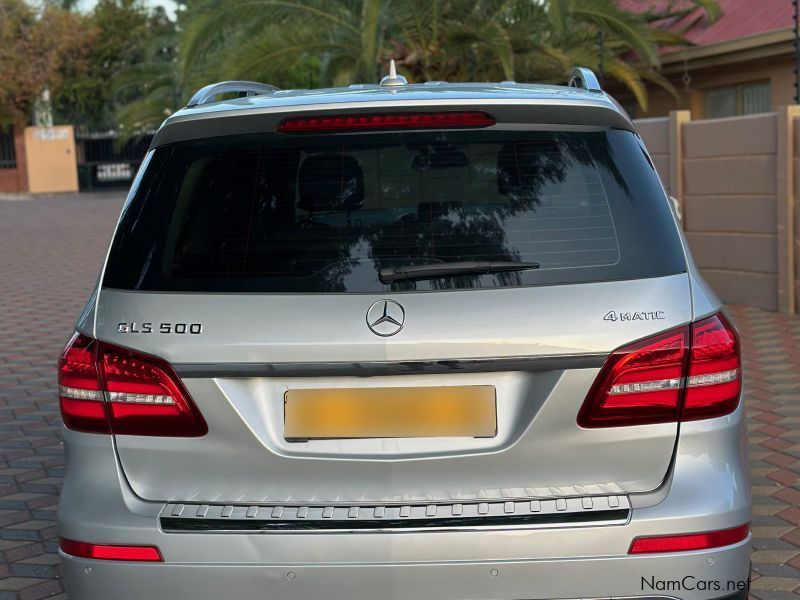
(8, 156)
(106, 160)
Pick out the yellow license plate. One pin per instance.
(447, 411)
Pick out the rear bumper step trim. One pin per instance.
(554, 512)
(369, 369)
(177, 525)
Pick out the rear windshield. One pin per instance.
(305, 213)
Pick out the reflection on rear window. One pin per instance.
(278, 213)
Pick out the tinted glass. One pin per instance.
(281, 213)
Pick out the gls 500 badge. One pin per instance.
(179, 328)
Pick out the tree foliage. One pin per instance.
(454, 40)
(37, 48)
(79, 56)
(125, 63)
(129, 36)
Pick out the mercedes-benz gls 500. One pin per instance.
(395, 341)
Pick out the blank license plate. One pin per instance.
(447, 411)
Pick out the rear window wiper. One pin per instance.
(433, 270)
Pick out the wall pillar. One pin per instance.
(785, 208)
(675, 132)
(50, 159)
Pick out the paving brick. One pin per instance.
(792, 515)
(769, 362)
(780, 584)
(17, 583)
(46, 244)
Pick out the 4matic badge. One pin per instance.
(652, 315)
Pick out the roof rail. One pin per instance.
(210, 92)
(584, 78)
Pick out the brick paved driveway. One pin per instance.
(50, 250)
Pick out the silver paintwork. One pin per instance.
(546, 357)
(708, 488)
(535, 409)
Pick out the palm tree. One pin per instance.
(309, 43)
(149, 90)
(534, 41)
(305, 42)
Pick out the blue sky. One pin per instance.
(169, 5)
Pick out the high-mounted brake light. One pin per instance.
(690, 541)
(106, 389)
(693, 372)
(446, 120)
(110, 552)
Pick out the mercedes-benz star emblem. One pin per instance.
(385, 318)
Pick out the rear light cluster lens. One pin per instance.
(110, 552)
(80, 395)
(690, 541)
(106, 389)
(386, 121)
(689, 373)
(714, 380)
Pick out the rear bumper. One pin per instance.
(678, 575)
(708, 489)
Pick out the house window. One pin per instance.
(735, 100)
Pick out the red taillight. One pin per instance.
(639, 384)
(110, 552)
(145, 396)
(714, 381)
(690, 541)
(79, 392)
(106, 389)
(693, 372)
(385, 121)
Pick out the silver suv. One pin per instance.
(397, 341)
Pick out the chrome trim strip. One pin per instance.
(557, 512)
(370, 369)
(610, 517)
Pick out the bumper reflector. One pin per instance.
(110, 552)
(690, 541)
